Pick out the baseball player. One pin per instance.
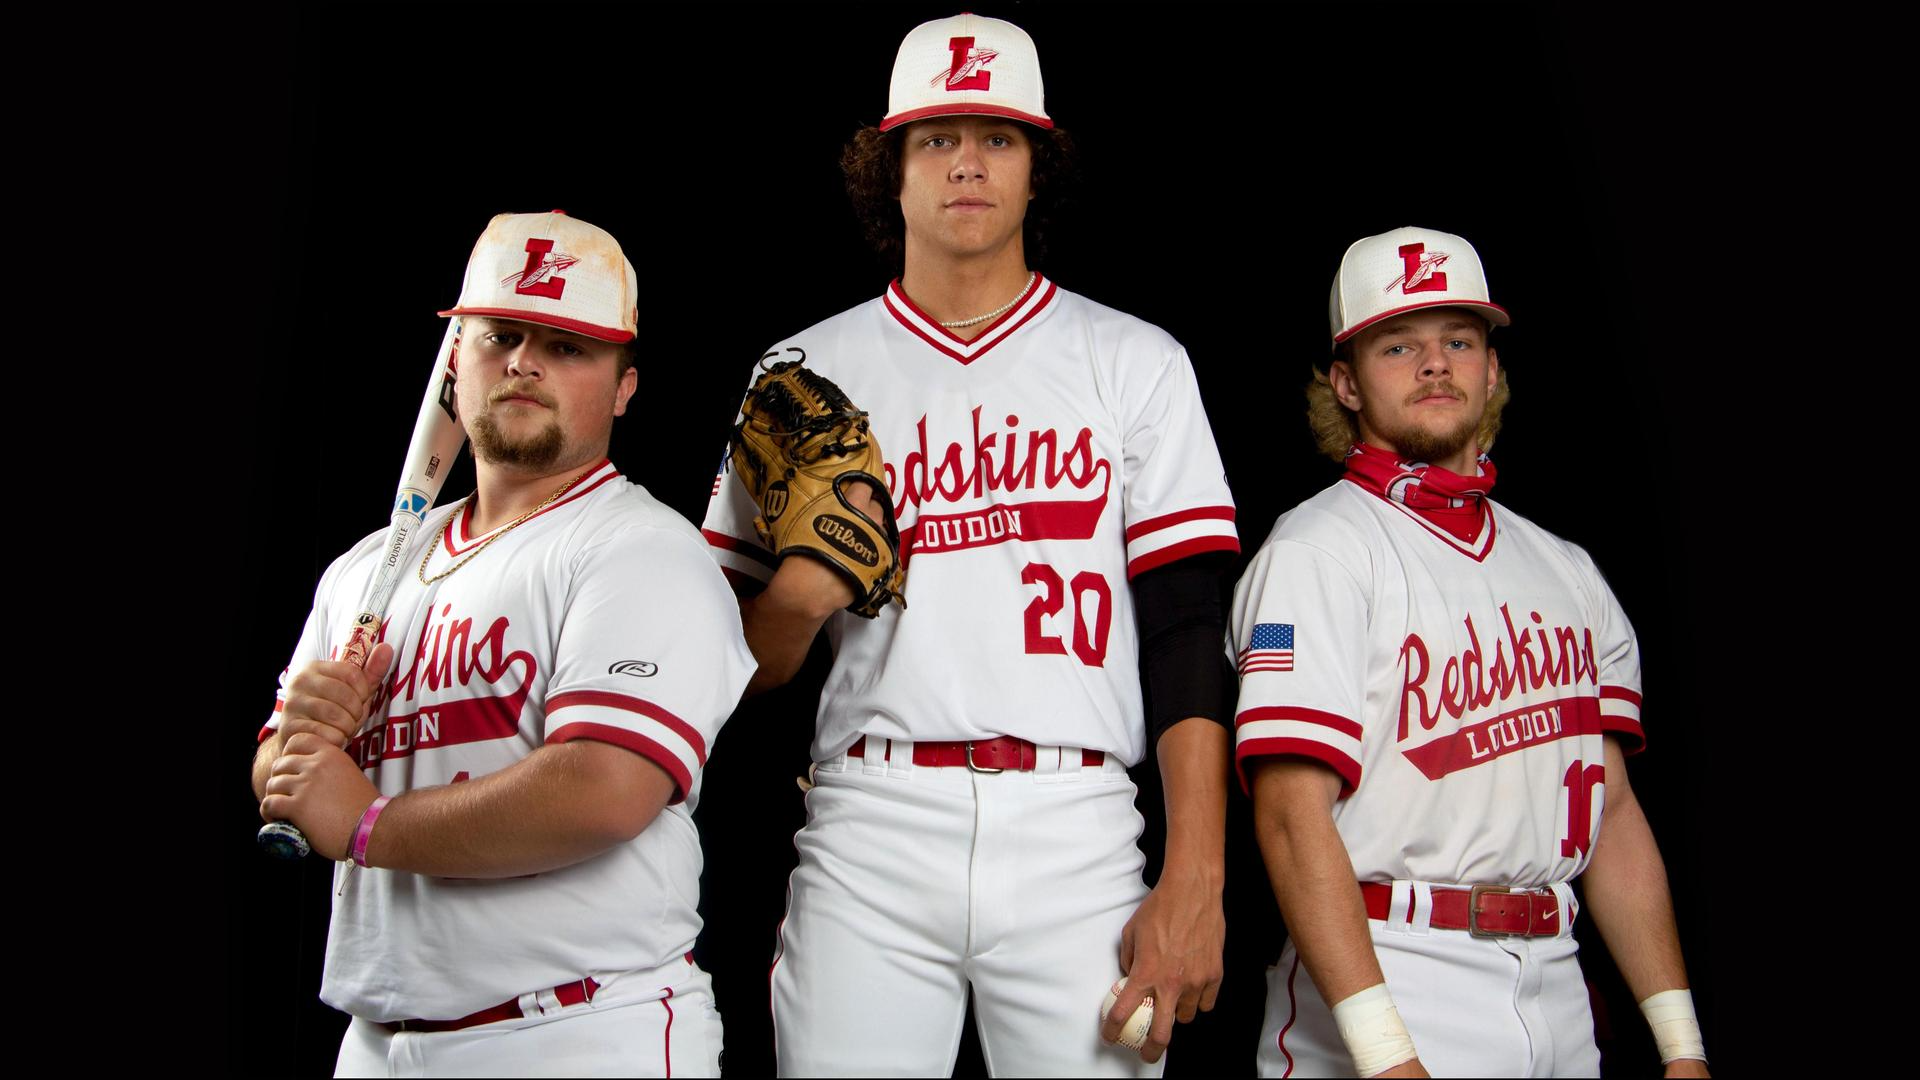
(1065, 522)
(518, 863)
(1436, 701)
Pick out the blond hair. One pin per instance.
(1336, 428)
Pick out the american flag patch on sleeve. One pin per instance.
(1270, 650)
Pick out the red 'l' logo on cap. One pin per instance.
(1422, 272)
(540, 276)
(969, 67)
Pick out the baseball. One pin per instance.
(1133, 1035)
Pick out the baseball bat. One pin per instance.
(437, 438)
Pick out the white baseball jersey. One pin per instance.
(1034, 471)
(1460, 687)
(597, 618)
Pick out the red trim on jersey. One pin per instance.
(610, 700)
(895, 289)
(666, 1040)
(626, 739)
(1176, 552)
(1293, 1013)
(1294, 712)
(466, 513)
(1621, 693)
(266, 733)
(1154, 524)
(1633, 738)
(743, 547)
(1485, 546)
(1283, 746)
(886, 299)
(560, 322)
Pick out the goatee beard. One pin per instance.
(537, 451)
(1418, 444)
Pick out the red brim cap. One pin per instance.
(1494, 313)
(931, 111)
(599, 333)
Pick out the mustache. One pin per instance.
(1446, 390)
(525, 388)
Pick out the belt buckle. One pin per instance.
(978, 768)
(1473, 912)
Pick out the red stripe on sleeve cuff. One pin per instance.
(265, 734)
(1154, 524)
(1181, 550)
(1348, 768)
(668, 761)
(1620, 693)
(1633, 738)
(1306, 716)
(607, 699)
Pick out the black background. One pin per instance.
(1230, 156)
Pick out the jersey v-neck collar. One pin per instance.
(459, 540)
(1039, 294)
(1477, 548)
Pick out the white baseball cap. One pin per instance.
(553, 270)
(1404, 270)
(967, 64)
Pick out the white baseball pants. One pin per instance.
(1474, 1006)
(628, 1029)
(917, 883)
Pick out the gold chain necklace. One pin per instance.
(446, 533)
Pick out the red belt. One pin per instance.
(1484, 910)
(991, 755)
(572, 993)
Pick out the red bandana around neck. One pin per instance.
(1450, 501)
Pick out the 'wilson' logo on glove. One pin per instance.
(844, 535)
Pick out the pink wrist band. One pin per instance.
(364, 831)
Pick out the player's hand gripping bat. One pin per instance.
(437, 437)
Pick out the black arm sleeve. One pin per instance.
(1181, 611)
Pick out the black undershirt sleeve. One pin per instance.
(1181, 612)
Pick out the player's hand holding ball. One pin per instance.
(1132, 1034)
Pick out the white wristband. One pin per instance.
(1374, 1035)
(1676, 1031)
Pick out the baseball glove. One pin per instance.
(799, 443)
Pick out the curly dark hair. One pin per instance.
(871, 163)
